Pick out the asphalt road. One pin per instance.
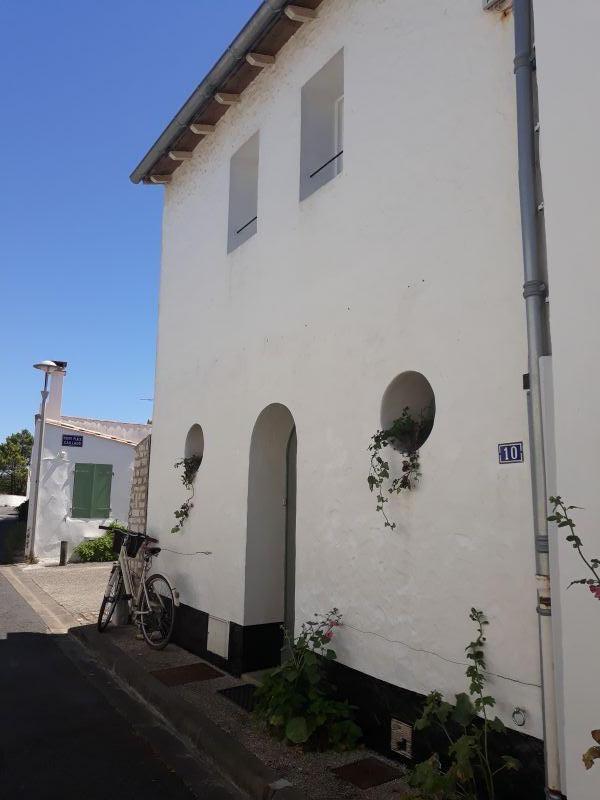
(61, 737)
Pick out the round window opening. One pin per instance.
(408, 409)
(194, 443)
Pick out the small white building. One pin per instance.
(85, 475)
(342, 238)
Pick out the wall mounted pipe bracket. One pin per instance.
(533, 288)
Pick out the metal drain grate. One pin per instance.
(188, 673)
(367, 772)
(242, 695)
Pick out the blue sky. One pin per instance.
(86, 86)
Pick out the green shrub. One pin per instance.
(100, 549)
(296, 702)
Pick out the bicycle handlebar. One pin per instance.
(127, 532)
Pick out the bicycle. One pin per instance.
(152, 602)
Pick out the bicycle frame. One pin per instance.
(133, 596)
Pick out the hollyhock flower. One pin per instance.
(595, 590)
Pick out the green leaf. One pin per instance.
(296, 730)
(463, 751)
(511, 763)
(443, 711)
(497, 725)
(487, 700)
(463, 712)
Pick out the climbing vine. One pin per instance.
(406, 434)
(468, 767)
(561, 515)
(190, 468)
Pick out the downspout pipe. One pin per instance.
(260, 22)
(534, 293)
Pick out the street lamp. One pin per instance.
(47, 367)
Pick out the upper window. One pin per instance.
(91, 491)
(322, 134)
(243, 194)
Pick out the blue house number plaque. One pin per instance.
(68, 440)
(510, 453)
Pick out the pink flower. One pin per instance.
(329, 634)
(595, 590)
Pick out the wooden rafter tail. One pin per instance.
(161, 178)
(202, 128)
(180, 155)
(260, 60)
(300, 14)
(227, 98)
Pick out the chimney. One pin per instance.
(54, 401)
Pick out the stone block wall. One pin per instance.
(138, 502)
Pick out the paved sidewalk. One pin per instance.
(78, 588)
(310, 773)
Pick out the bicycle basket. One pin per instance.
(118, 539)
(133, 544)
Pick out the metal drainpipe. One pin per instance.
(534, 292)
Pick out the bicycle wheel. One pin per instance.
(157, 618)
(112, 595)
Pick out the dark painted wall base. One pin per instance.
(377, 702)
(253, 647)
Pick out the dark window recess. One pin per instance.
(243, 228)
(326, 164)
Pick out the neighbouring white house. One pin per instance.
(85, 474)
(358, 198)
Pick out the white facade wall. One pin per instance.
(568, 67)
(54, 522)
(410, 259)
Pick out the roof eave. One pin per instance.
(257, 26)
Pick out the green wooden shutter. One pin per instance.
(101, 491)
(83, 482)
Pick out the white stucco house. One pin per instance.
(358, 197)
(85, 475)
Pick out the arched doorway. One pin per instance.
(271, 530)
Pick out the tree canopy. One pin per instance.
(15, 456)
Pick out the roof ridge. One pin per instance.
(62, 424)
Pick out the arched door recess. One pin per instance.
(271, 527)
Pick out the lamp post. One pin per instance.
(47, 367)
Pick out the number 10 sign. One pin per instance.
(510, 453)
